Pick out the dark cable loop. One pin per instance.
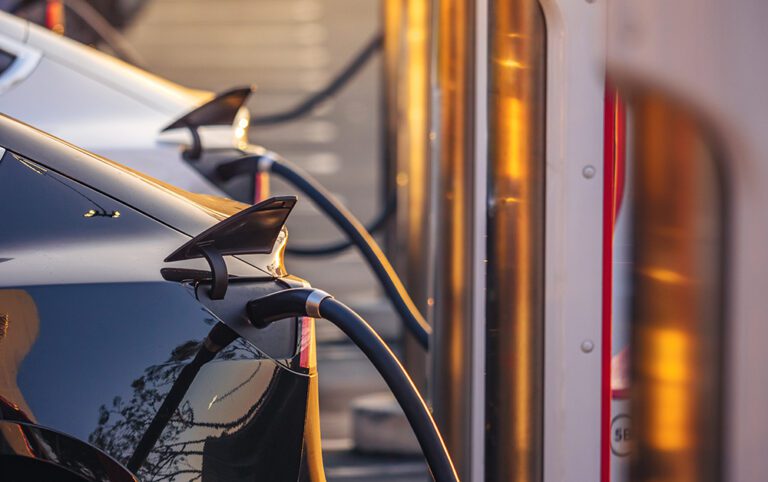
(345, 221)
(374, 227)
(306, 106)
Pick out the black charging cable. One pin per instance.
(344, 220)
(219, 337)
(330, 249)
(306, 106)
(319, 304)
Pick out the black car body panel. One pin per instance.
(92, 335)
(31, 452)
(184, 211)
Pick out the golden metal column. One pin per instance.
(678, 314)
(407, 119)
(515, 304)
(451, 357)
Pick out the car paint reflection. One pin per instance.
(96, 361)
(57, 455)
(22, 325)
(228, 425)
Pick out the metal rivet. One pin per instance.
(587, 346)
(589, 172)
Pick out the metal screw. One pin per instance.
(587, 346)
(589, 171)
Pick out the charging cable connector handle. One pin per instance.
(218, 338)
(271, 162)
(319, 304)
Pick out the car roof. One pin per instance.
(156, 92)
(184, 211)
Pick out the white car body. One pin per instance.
(104, 105)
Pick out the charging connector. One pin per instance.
(319, 304)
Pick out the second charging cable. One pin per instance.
(344, 220)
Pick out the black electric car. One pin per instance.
(110, 282)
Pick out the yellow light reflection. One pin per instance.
(668, 357)
(454, 231)
(407, 29)
(516, 164)
(417, 82)
(665, 275)
(513, 144)
(677, 327)
(510, 63)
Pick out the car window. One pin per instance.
(6, 60)
(40, 207)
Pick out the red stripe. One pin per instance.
(260, 187)
(613, 178)
(54, 16)
(306, 339)
(257, 194)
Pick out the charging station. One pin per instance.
(579, 229)
(574, 341)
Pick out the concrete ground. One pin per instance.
(290, 48)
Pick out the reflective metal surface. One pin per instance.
(453, 175)
(407, 34)
(678, 313)
(515, 304)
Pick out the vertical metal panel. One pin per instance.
(679, 303)
(392, 19)
(515, 303)
(413, 175)
(406, 24)
(573, 241)
(476, 449)
(452, 354)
